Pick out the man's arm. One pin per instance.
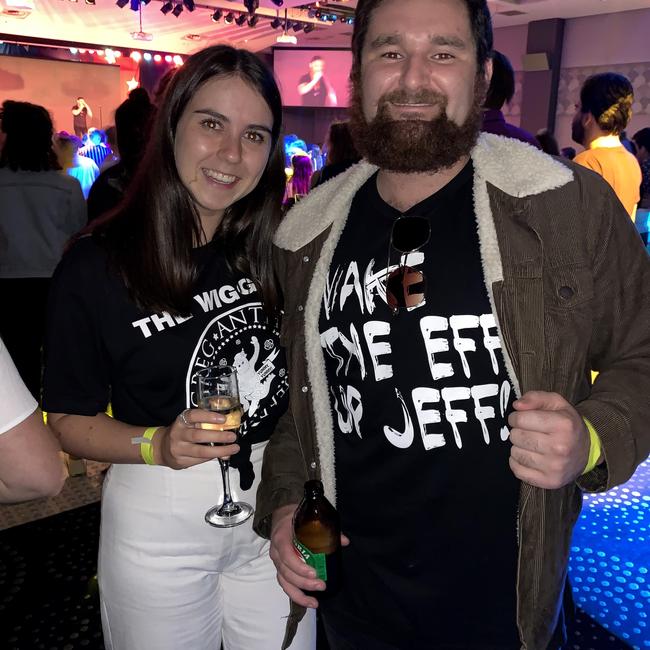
(76, 110)
(31, 464)
(90, 112)
(618, 407)
(308, 86)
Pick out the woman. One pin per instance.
(41, 209)
(180, 278)
(298, 186)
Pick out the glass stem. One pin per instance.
(227, 505)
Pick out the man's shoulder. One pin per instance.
(324, 205)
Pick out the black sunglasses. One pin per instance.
(405, 286)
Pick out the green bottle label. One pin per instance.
(317, 561)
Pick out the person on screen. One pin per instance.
(314, 88)
(81, 112)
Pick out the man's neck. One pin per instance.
(403, 191)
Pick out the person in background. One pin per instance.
(31, 463)
(630, 145)
(41, 209)
(133, 120)
(161, 87)
(299, 184)
(568, 152)
(114, 156)
(96, 148)
(642, 141)
(341, 153)
(314, 87)
(547, 142)
(603, 112)
(83, 169)
(445, 302)
(500, 92)
(81, 112)
(180, 278)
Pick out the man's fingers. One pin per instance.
(296, 595)
(540, 421)
(345, 541)
(531, 476)
(540, 400)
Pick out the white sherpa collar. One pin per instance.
(514, 167)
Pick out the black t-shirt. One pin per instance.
(101, 347)
(420, 402)
(317, 96)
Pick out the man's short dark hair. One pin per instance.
(608, 97)
(642, 138)
(502, 84)
(316, 58)
(479, 17)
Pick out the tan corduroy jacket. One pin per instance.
(569, 284)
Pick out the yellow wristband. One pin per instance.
(595, 447)
(146, 448)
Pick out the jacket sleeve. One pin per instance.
(284, 470)
(283, 474)
(619, 404)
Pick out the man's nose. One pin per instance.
(415, 73)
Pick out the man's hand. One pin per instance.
(294, 575)
(550, 441)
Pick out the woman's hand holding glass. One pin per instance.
(186, 442)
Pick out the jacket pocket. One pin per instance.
(567, 288)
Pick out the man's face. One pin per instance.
(317, 66)
(419, 79)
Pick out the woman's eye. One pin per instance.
(255, 136)
(211, 124)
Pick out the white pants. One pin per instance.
(170, 581)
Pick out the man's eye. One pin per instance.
(391, 55)
(444, 56)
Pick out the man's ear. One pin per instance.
(488, 72)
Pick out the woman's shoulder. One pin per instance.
(85, 257)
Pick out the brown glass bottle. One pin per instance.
(317, 537)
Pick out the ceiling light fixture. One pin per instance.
(253, 20)
(217, 15)
(229, 19)
(177, 10)
(189, 5)
(165, 9)
(240, 20)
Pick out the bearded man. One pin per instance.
(445, 302)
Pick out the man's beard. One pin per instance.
(578, 131)
(415, 145)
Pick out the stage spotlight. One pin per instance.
(177, 10)
(166, 8)
(122, 3)
(276, 22)
(278, 3)
(297, 27)
(253, 20)
(189, 5)
(145, 2)
(251, 6)
(309, 28)
(217, 15)
(90, 2)
(229, 19)
(240, 20)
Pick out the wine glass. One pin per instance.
(218, 392)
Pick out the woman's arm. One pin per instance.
(31, 464)
(178, 445)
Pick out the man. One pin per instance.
(604, 110)
(95, 149)
(314, 88)
(81, 111)
(424, 290)
(500, 92)
(84, 169)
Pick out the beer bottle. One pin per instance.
(317, 537)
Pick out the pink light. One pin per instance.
(157, 58)
(168, 58)
(178, 60)
(82, 51)
(117, 54)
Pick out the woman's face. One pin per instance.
(222, 145)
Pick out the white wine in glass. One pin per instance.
(218, 391)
